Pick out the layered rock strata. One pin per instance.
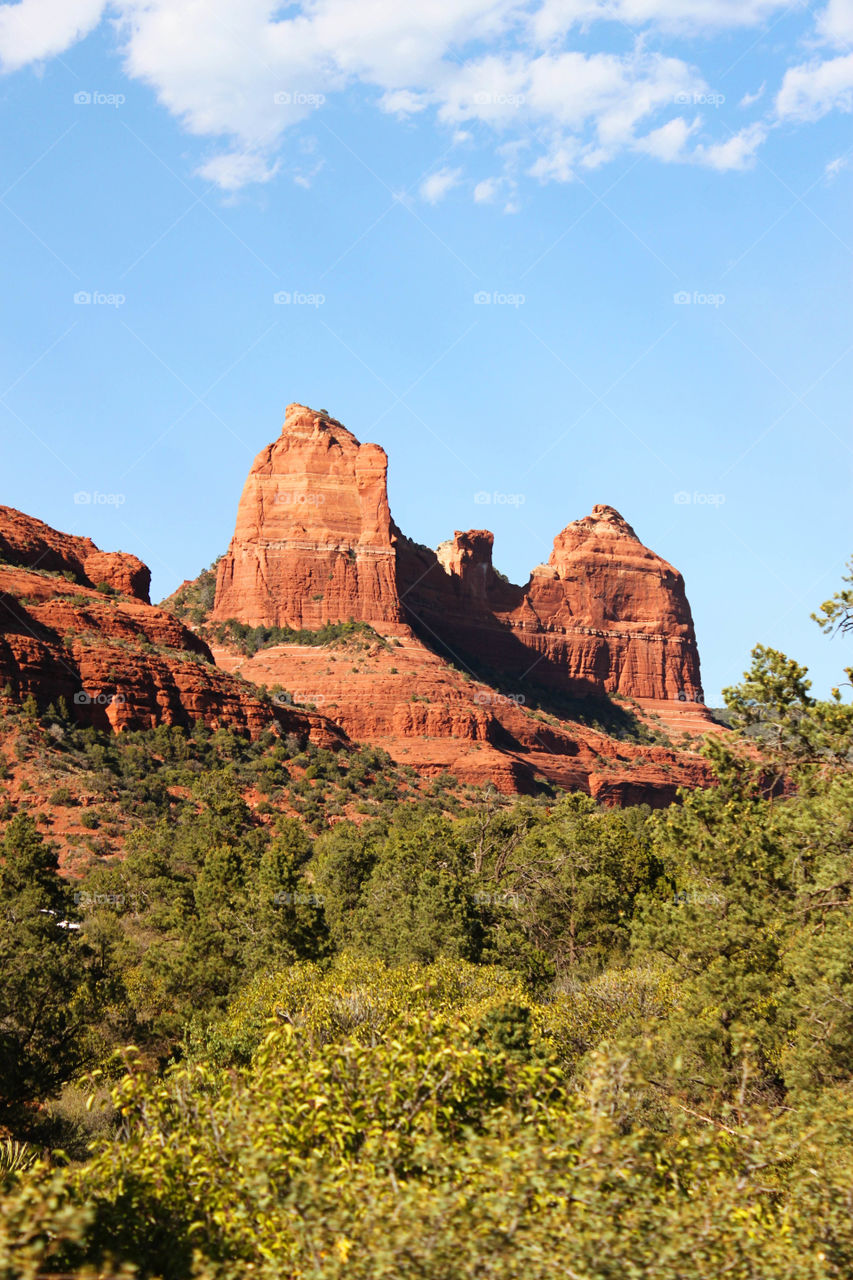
(315, 542)
(117, 661)
(462, 680)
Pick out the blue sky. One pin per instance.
(547, 254)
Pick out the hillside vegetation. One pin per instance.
(452, 1036)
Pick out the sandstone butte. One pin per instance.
(463, 656)
(467, 673)
(75, 623)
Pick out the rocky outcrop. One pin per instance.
(605, 615)
(530, 696)
(313, 541)
(405, 698)
(619, 612)
(605, 618)
(28, 542)
(117, 661)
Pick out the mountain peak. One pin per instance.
(315, 543)
(303, 422)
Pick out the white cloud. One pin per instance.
(615, 91)
(241, 73)
(236, 169)
(815, 88)
(556, 16)
(835, 23)
(223, 68)
(486, 192)
(402, 102)
(749, 99)
(606, 95)
(737, 153)
(437, 185)
(810, 91)
(558, 163)
(668, 142)
(38, 29)
(304, 177)
(401, 45)
(490, 89)
(834, 167)
(503, 188)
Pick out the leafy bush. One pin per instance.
(250, 639)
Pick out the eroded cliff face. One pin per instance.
(405, 698)
(31, 543)
(314, 542)
(313, 539)
(605, 617)
(620, 612)
(117, 661)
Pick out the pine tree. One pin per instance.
(42, 970)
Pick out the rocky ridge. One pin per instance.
(315, 543)
(574, 680)
(117, 661)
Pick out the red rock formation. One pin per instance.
(313, 541)
(468, 557)
(619, 611)
(116, 660)
(29, 542)
(408, 700)
(605, 615)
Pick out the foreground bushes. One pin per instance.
(423, 1122)
(521, 1042)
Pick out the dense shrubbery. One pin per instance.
(514, 1040)
(250, 639)
(419, 1122)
